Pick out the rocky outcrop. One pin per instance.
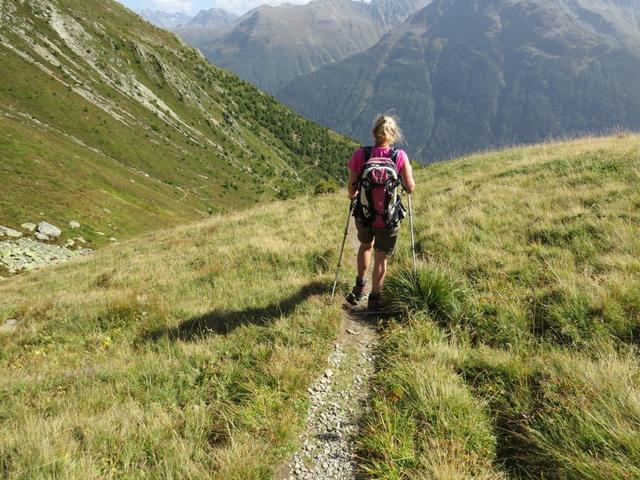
(27, 254)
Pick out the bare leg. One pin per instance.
(379, 271)
(364, 258)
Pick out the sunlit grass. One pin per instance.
(187, 353)
(512, 351)
(184, 354)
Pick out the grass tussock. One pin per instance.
(425, 421)
(429, 290)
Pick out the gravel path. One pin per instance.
(338, 401)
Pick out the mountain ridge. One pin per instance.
(518, 72)
(269, 46)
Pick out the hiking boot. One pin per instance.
(374, 305)
(358, 293)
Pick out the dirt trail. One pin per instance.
(338, 401)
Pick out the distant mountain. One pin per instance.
(464, 75)
(205, 19)
(122, 126)
(269, 46)
(214, 17)
(168, 21)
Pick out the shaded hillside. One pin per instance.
(121, 126)
(269, 46)
(466, 75)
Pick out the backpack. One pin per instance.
(378, 191)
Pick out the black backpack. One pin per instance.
(378, 191)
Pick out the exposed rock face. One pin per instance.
(49, 230)
(8, 325)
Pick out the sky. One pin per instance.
(192, 7)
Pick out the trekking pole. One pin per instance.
(346, 231)
(413, 243)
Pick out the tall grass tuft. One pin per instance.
(429, 290)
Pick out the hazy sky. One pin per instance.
(194, 6)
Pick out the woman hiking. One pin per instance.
(377, 209)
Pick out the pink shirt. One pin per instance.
(357, 162)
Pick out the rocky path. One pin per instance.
(338, 401)
(339, 398)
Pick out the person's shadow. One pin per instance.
(222, 322)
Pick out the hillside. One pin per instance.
(110, 121)
(466, 75)
(514, 355)
(270, 46)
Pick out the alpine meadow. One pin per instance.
(205, 342)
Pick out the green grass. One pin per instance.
(513, 351)
(186, 353)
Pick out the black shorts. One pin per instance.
(385, 238)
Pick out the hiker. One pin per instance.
(377, 210)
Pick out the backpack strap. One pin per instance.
(367, 153)
(394, 155)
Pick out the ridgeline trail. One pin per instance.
(338, 400)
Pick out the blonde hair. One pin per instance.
(386, 130)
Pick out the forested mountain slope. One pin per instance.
(464, 75)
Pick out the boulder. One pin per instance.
(10, 232)
(42, 236)
(49, 230)
(29, 226)
(74, 224)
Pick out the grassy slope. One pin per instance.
(183, 354)
(518, 358)
(523, 364)
(77, 135)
